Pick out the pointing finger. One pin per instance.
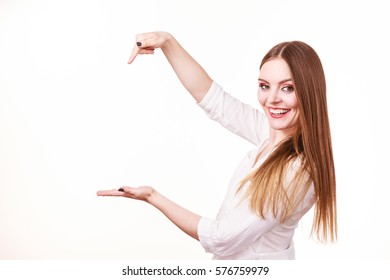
(134, 53)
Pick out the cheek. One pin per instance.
(261, 97)
(292, 102)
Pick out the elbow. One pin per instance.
(226, 239)
(221, 245)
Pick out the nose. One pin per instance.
(274, 97)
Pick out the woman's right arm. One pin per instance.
(193, 77)
(242, 119)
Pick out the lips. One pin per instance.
(278, 112)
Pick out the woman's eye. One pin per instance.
(288, 88)
(263, 86)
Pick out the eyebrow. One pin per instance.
(281, 82)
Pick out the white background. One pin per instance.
(75, 118)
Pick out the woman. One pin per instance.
(290, 170)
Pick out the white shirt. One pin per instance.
(237, 232)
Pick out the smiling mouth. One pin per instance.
(278, 112)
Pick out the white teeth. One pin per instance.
(278, 111)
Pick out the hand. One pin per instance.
(184, 219)
(140, 193)
(147, 42)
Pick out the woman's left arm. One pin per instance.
(181, 217)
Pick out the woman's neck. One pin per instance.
(277, 136)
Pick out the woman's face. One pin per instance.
(277, 96)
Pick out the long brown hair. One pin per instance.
(310, 146)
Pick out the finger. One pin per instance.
(134, 54)
(128, 190)
(146, 51)
(137, 51)
(147, 41)
(114, 192)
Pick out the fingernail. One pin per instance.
(121, 190)
(139, 44)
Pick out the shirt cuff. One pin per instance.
(212, 96)
(204, 226)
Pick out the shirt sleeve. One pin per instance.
(234, 232)
(240, 118)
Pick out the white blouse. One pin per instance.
(237, 232)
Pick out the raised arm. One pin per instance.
(193, 77)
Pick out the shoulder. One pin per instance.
(297, 179)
